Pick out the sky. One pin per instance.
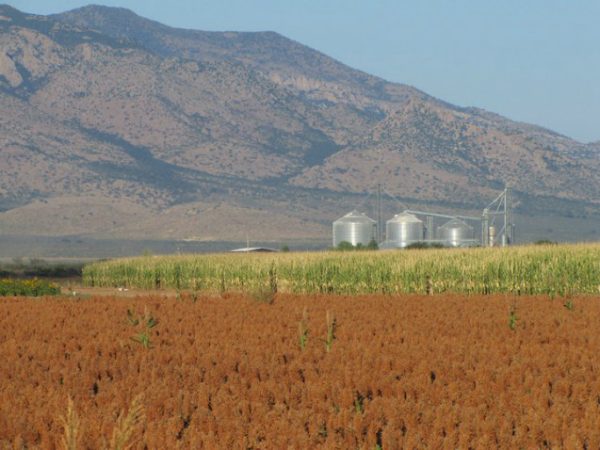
(536, 61)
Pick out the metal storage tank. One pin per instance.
(403, 229)
(456, 233)
(354, 227)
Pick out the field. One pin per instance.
(300, 371)
(553, 270)
(30, 287)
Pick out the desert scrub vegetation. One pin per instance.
(27, 288)
(555, 270)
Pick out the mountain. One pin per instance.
(288, 63)
(112, 125)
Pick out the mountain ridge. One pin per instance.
(92, 111)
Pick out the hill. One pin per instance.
(113, 125)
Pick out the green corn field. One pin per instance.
(553, 269)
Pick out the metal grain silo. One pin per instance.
(456, 233)
(403, 229)
(354, 227)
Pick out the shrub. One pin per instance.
(27, 288)
(345, 246)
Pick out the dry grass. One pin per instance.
(127, 428)
(72, 428)
(126, 432)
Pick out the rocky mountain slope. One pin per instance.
(115, 125)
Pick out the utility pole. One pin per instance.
(429, 228)
(379, 234)
(485, 228)
(508, 238)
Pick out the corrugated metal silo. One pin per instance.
(403, 229)
(354, 227)
(456, 233)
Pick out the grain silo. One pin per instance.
(402, 230)
(456, 233)
(355, 228)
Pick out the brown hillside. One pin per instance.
(131, 124)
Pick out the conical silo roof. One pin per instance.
(355, 217)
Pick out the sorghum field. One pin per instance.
(300, 371)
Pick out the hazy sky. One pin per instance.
(532, 60)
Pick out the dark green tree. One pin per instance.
(345, 246)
